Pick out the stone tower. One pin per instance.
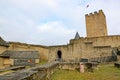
(96, 24)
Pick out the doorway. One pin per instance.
(59, 54)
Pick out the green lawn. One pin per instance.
(43, 62)
(105, 72)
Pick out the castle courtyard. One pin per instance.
(105, 72)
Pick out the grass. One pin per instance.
(43, 62)
(6, 72)
(10, 71)
(105, 72)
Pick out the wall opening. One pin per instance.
(59, 54)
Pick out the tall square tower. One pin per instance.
(96, 24)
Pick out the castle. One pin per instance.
(98, 45)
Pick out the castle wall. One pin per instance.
(76, 49)
(7, 62)
(17, 46)
(85, 48)
(97, 46)
(2, 49)
(1, 63)
(43, 50)
(69, 52)
(53, 50)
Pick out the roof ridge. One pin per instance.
(3, 42)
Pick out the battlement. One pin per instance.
(100, 12)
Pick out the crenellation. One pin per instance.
(100, 11)
(86, 15)
(95, 12)
(91, 14)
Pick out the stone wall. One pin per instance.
(96, 47)
(2, 49)
(41, 72)
(43, 50)
(76, 49)
(53, 50)
(85, 48)
(17, 46)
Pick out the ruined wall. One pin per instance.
(96, 24)
(43, 50)
(2, 49)
(97, 46)
(17, 46)
(7, 62)
(76, 49)
(1, 63)
(85, 48)
(68, 52)
(53, 52)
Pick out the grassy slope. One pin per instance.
(105, 72)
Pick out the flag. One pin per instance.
(87, 6)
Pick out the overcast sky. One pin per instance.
(52, 22)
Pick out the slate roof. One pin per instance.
(3, 43)
(20, 54)
(77, 36)
(6, 53)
